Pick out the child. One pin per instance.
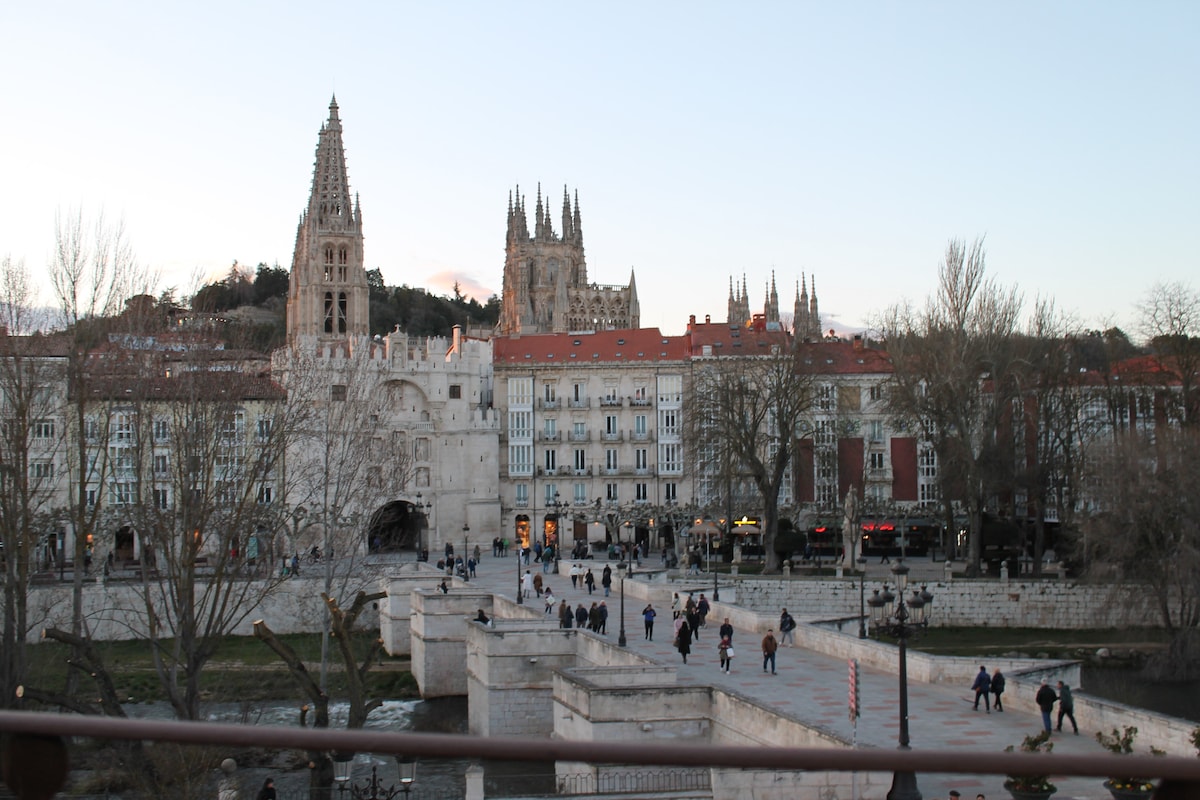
(725, 651)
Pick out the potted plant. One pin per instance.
(1031, 787)
(1125, 788)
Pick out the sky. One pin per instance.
(843, 141)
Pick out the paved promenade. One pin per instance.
(813, 687)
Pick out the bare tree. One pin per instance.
(744, 421)
(1171, 323)
(1148, 528)
(344, 463)
(954, 367)
(32, 377)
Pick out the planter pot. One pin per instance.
(1127, 794)
(1020, 794)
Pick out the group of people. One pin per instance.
(594, 619)
(993, 685)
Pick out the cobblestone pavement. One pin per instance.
(813, 687)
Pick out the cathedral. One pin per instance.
(546, 288)
(806, 318)
(328, 295)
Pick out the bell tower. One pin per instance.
(327, 290)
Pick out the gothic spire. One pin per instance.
(538, 215)
(566, 214)
(576, 225)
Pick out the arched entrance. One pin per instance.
(124, 545)
(398, 525)
(521, 531)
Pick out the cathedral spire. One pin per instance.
(566, 215)
(576, 224)
(539, 225)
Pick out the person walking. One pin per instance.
(527, 584)
(589, 580)
(566, 617)
(675, 605)
(581, 616)
(574, 576)
(549, 595)
(997, 688)
(786, 627)
(1045, 698)
(725, 651)
(648, 615)
(983, 688)
(603, 619)
(537, 584)
(702, 608)
(769, 647)
(606, 579)
(726, 630)
(683, 641)
(594, 618)
(1066, 707)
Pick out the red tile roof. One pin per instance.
(633, 345)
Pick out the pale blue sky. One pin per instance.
(845, 140)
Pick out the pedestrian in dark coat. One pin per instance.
(982, 687)
(1066, 707)
(683, 641)
(997, 688)
(606, 579)
(726, 630)
(1045, 698)
(581, 616)
(648, 615)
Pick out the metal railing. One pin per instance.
(1180, 776)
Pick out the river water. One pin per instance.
(435, 778)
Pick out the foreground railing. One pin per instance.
(1180, 776)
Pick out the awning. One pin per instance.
(705, 529)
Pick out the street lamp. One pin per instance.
(465, 555)
(374, 789)
(626, 568)
(902, 621)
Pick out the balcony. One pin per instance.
(612, 436)
(549, 436)
(548, 405)
(643, 436)
(583, 402)
(639, 402)
(584, 472)
(579, 437)
(612, 402)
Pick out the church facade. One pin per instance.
(546, 287)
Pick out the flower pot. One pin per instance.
(1018, 794)
(1127, 793)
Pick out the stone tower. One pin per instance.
(806, 325)
(546, 287)
(327, 291)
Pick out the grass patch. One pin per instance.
(243, 670)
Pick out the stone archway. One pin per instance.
(398, 525)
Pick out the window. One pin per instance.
(825, 397)
(520, 459)
(579, 395)
(421, 448)
(825, 466)
(927, 463)
(610, 460)
(456, 391)
(640, 461)
(162, 464)
(551, 461)
(639, 492)
(265, 495)
(121, 493)
(264, 428)
(522, 495)
(580, 492)
(123, 427)
(43, 469)
(875, 393)
(669, 458)
(667, 423)
(824, 433)
(610, 427)
(929, 493)
(162, 430)
(579, 431)
(549, 395)
(90, 498)
(162, 499)
(91, 429)
(43, 429)
(580, 460)
(876, 462)
(338, 392)
(670, 492)
(550, 429)
(520, 392)
(639, 426)
(551, 494)
(520, 424)
(641, 397)
(670, 389)
(611, 396)
(611, 494)
(826, 495)
(876, 430)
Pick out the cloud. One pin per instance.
(442, 283)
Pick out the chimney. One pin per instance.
(858, 341)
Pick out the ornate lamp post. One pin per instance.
(902, 620)
(626, 567)
(466, 554)
(374, 789)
